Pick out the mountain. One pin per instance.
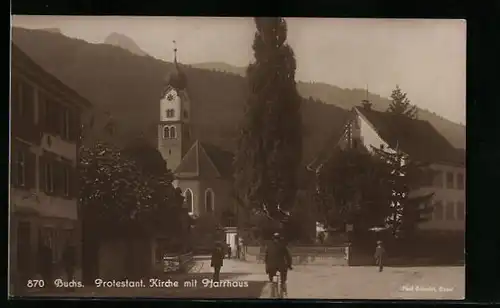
(129, 86)
(125, 42)
(348, 98)
(53, 30)
(221, 67)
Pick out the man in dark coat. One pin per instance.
(379, 256)
(278, 259)
(217, 260)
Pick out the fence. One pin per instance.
(179, 263)
(311, 255)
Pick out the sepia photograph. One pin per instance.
(237, 157)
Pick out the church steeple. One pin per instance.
(174, 137)
(177, 78)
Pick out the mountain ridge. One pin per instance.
(125, 42)
(129, 86)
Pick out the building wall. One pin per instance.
(452, 198)
(222, 195)
(449, 199)
(50, 216)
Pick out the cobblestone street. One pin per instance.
(305, 282)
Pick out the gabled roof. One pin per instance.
(21, 61)
(417, 138)
(205, 160)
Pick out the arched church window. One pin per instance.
(188, 200)
(173, 132)
(170, 113)
(166, 132)
(209, 200)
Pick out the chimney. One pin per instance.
(366, 104)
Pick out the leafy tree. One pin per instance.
(121, 200)
(405, 175)
(401, 105)
(352, 187)
(270, 143)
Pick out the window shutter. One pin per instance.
(58, 177)
(42, 169)
(30, 169)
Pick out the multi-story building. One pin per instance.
(45, 129)
(421, 141)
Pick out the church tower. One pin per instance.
(174, 136)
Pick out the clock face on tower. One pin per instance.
(171, 96)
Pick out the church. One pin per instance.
(202, 171)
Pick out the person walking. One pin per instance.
(278, 259)
(379, 256)
(217, 260)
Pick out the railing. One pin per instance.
(180, 263)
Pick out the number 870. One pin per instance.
(35, 283)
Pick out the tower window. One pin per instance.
(166, 132)
(173, 132)
(170, 113)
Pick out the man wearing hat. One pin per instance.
(278, 258)
(217, 260)
(379, 256)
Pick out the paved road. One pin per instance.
(313, 281)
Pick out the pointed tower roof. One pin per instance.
(177, 79)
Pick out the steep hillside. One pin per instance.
(129, 87)
(348, 98)
(125, 42)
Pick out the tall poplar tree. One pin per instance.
(270, 143)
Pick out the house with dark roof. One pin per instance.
(203, 171)
(420, 140)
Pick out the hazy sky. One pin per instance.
(427, 58)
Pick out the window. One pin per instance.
(450, 211)
(438, 179)
(19, 168)
(64, 123)
(355, 143)
(27, 99)
(170, 113)
(66, 178)
(209, 200)
(460, 210)
(185, 114)
(166, 132)
(173, 132)
(449, 179)
(188, 200)
(460, 181)
(438, 210)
